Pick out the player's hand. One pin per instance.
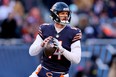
(58, 45)
(44, 43)
(78, 36)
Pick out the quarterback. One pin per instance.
(68, 47)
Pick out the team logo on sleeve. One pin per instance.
(49, 74)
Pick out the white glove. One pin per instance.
(58, 45)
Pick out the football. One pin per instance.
(51, 47)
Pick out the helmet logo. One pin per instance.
(65, 9)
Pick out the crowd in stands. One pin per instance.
(21, 18)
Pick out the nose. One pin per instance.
(65, 14)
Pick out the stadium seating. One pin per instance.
(15, 60)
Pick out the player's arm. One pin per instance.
(36, 47)
(75, 54)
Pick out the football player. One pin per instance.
(69, 47)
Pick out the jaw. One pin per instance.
(58, 25)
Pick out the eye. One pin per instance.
(63, 13)
(66, 13)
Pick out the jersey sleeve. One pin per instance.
(75, 54)
(76, 31)
(40, 31)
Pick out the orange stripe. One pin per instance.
(38, 70)
(61, 75)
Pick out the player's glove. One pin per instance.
(59, 47)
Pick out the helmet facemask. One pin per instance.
(64, 18)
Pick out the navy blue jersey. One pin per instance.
(57, 62)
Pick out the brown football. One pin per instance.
(50, 48)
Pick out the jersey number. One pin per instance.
(57, 53)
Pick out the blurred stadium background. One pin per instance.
(19, 21)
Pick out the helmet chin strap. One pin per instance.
(64, 22)
(61, 23)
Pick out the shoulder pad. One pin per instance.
(74, 28)
(46, 24)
